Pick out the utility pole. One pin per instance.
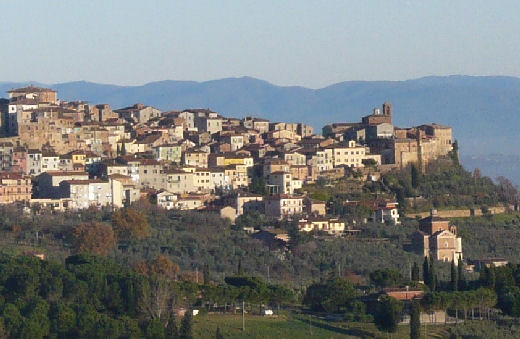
(268, 277)
(197, 274)
(243, 317)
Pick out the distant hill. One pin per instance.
(484, 111)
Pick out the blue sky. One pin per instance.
(290, 42)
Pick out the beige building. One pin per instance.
(237, 175)
(275, 165)
(438, 238)
(190, 202)
(202, 180)
(421, 145)
(260, 125)
(87, 193)
(130, 192)
(150, 173)
(102, 112)
(166, 200)
(210, 123)
(49, 182)
(179, 181)
(218, 179)
(139, 113)
(40, 94)
(195, 158)
(169, 153)
(283, 206)
(386, 212)
(282, 183)
(15, 187)
(236, 141)
(295, 158)
(314, 207)
(50, 161)
(247, 202)
(351, 154)
(323, 160)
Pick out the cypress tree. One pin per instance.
(426, 270)
(388, 314)
(415, 177)
(123, 149)
(453, 281)
(492, 277)
(432, 276)
(186, 331)
(488, 277)
(206, 274)
(484, 276)
(462, 281)
(415, 321)
(455, 153)
(172, 332)
(239, 270)
(415, 272)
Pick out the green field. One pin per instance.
(288, 326)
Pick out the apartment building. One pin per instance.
(283, 206)
(15, 187)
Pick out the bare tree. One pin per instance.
(158, 298)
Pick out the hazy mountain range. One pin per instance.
(484, 111)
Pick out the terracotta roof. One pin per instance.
(85, 182)
(12, 175)
(30, 89)
(64, 173)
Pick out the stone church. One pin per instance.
(438, 238)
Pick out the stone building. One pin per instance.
(283, 206)
(378, 117)
(438, 238)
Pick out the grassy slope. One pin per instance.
(287, 327)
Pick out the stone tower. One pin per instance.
(387, 108)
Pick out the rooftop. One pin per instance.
(31, 89)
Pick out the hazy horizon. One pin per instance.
(32, 81)
(291, 43)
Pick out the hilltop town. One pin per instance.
(57, 155)
(350, 211)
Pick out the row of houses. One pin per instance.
(74, 155)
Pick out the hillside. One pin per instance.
(484, 111)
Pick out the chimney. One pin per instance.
(433, 212)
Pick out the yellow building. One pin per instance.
(79, 157)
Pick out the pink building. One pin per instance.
(19, 160)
